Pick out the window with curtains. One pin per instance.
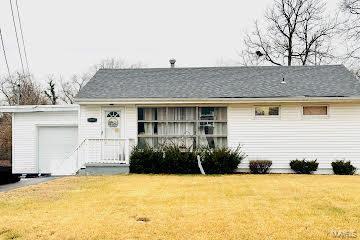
(184, 126)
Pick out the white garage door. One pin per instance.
(55, 146)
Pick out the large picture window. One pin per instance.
(185, 126)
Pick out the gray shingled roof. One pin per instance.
(222, 82)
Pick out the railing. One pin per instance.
(94, 151)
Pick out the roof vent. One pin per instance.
(172, 62)
(283, 81)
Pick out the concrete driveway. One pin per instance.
(24, 182)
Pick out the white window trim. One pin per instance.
(266, 116)
(305, 117)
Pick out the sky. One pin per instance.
(66, 37)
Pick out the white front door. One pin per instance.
(113, 131)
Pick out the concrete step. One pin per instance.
(104, 169)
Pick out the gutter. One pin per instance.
(39, 108)
(215, 100)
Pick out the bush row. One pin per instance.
(303, 167)
(307, 167)
(174, 160)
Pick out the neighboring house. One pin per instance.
(274, 113)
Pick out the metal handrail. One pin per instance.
(76, 148)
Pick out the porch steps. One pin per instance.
(93, 169)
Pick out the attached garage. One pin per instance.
(43, 139)
(54, 154)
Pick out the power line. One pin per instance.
(22, 36)
(3, 47)
(17, 38)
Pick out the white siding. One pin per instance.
(25, 136)
(94, 130)
(131, 122)
(86, 129)
(292, 136)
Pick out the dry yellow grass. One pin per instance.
(183, 207)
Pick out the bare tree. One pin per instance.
(21, 90)
(351, 33)
(294, 32)
(16, 90)
(5, 137)
(70, 89)
(50, 92)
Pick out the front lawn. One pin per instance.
(183, 207)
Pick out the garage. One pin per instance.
(43, 138)
(55, 145)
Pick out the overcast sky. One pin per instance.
(68, 36)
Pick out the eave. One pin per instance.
(152, 101)
(39, 108)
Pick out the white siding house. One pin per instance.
(42, 138)
(273, 113)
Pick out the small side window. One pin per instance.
(315, 110)
(267, 111)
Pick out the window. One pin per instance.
(185, 126)
(112, 119)
(113, 114)
(315, 111)
(267, 111)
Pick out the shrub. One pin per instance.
(260, 166)
(146, 160)
(304, 166)
(172, 159)
(343, 168)
(180, 161)
(221, 160)
(168, 159)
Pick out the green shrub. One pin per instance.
(179, 161)
(172, 159)
(343, 168)
(169, 159)
(304, 166)
(221, 160)
(146, 160)
(260, 166)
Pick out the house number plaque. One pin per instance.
(92, 120)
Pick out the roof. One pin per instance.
(39, 108)
(222, 82)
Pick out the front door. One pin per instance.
(113, 144)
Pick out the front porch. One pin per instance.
(102, 156)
